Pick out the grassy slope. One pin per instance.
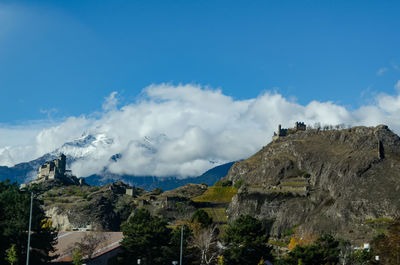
(217, 194)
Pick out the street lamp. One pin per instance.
(180, 258)
(138, 261)
(175, 262)
(29, 231)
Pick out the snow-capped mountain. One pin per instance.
(102, 152)
(85, 146)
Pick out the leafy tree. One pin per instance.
(146, 237)
(12, 257)
(14, 223)
(246, 241)
(202, 217)
(77, 257)
(325, 251)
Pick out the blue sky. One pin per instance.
(200, 83)
(65, 57)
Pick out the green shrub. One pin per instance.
(238, 183)
(290, 231)
(277, 243)
(227, 183)
(202, 217)
(223, 183)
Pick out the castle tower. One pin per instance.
(62, 162)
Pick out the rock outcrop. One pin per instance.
(333, 181)
(73, 207)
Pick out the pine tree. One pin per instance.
(146, 237)
(246, 241)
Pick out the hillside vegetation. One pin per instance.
(217, 194)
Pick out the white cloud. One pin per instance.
(397, 86)
(186, 129)
(49, 112)
(381, 71)
(110, 102)
(51, 138)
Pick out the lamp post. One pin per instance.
(180, 258)
(29, 231)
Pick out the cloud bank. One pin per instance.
(180, 130)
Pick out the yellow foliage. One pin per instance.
(195, 226)
(262, 261)
(303, 239)
(221, 260)
(46, 223)
(293, 243)
(180, 222)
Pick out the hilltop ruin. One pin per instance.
(56, 170)
(298, 126)
(52, 169)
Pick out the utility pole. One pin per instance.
(29, 231)
(180, 258)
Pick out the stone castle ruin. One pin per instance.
(298, 126)
(56, 169)
(52, 169)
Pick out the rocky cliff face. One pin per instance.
(75, 207)
(336, 181)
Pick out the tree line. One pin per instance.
(244, 242)
(150, 239)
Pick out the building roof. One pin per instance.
(67, 240)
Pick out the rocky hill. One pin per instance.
(343, 182)
(79, 207)
(72, 206)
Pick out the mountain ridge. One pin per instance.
(322, 182)
(26, 172)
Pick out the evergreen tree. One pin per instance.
(246, 241)
(14, 223)
(146, 237)
(202, 217)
